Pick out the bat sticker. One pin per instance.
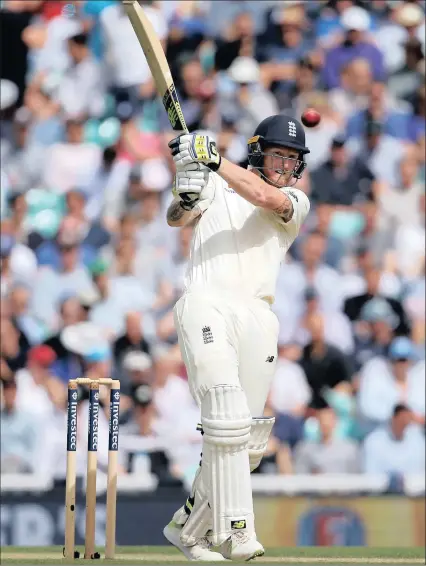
(173, 109)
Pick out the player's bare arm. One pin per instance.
(177, 216)
(254, 189)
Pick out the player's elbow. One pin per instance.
(176, 223)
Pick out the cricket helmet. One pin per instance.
(278, 131)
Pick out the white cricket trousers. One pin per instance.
(227, 339)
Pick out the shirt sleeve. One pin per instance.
(301, 208)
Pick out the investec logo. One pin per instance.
(113, 425)
(72, 429)
(94, 426)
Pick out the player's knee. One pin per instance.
(259, 435)
(225, 415)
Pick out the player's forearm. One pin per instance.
(244, 182)
(255, 190)
(177, 216)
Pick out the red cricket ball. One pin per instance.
(311, 118)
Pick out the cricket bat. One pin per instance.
(157, 62)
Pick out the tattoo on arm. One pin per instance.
(175, 212)
(285, 209)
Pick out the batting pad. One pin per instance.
(199, 523)
(226, 421)
(260, 431)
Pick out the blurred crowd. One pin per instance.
(90, 271)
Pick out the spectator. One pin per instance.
(405, 23)
(151, 227)
(46, 40)
(14, 345)
(138, 367)
(291, 43)
(295, 277)
(353, 305)
(409, 248)
(81, 91)
(72, 233)
(241, 42)
(399, 204)
(341, 182)
(355, 86)
(379, 151)
(364, 256)
(337, 327)
(296, 97)
(72, 163)
(18, 261)
(355, 44)
(407, 78)
(325, 366)
(381, 107)
(19, 436)
(20, 310)
(328, 25)
(169, 388)
(395, 448)
(417, 127)
(144, 424)
(129, 82)
(39, 391)
(107, 188)
(414, 305)
(242, 96)
(329, 455)
(52, 284)
(18, 216)
(374, 331)
(95, 236)
(132, 340)
(383, 384)
(67, 364)
(288, 399)
(46, 126)
(23, 158)
(335, 246)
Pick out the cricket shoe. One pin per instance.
(241, 546)
(201, 551)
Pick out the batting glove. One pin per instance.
(188, 184)
(189, 148)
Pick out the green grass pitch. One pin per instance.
(169, 555)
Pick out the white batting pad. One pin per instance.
(200, 518)
(260, 431)
(226, 421)
(199, 521)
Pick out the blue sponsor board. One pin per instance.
(330, 526)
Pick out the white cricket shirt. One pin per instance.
(237, 246)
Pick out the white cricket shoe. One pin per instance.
(201, 551)
(241, 546)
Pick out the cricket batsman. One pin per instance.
(246, 220)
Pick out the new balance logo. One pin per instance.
(293, 195)
(270, 359)
(207, 335)
(238, 524)
(292, 129)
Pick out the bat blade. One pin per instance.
(157, 62)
